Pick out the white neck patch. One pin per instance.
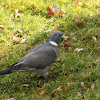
(53, 43)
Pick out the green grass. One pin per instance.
(70, 68)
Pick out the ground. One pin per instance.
(24, 24)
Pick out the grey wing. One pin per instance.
(37, 47)
(40, 59)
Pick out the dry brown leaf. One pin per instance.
(2, 27)
(17, 15)
(16, 11)
(50, 12)
(62, 12)
(89, 67)
(82, 4)
(58, 89)
(12, 10)
(66, 88)
(79, 93)
(16, 39)
(66, 45)
(78, 21)
(55, 10)
(76, 2)
(71, 83)
(20, 11)
(25, 85)
(40, 91)
(35, 10)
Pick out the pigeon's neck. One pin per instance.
(53, 43)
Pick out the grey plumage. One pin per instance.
(40, 59)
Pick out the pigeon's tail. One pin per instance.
(11, 69)
(6, 71)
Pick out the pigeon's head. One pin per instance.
(55, 37)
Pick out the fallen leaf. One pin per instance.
(58, 89)
(82, 84)
(23, 40)
(40, 91)
(71, 83)
(94, 38)
(20, 11)
(50, 12)
(10, 99)
(17, 12)
(66, 89)
(89, 67)
(12, 10)
(66, 45)
(2, 27)
(62, 12)
(35, 10)
(55, 8)
(25, 85)
(19, 31)
(55, 11)
(78, 21)
(17, 15)
(76, 2)
(83, 4)
(79, 93)
(16, 39)
(79, 49)
(93, 86)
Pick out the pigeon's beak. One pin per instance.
(64, 37)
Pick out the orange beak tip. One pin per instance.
(65, 37)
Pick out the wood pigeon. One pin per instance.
(40, 59)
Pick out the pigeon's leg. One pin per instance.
(45, 71)
(45, 74)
